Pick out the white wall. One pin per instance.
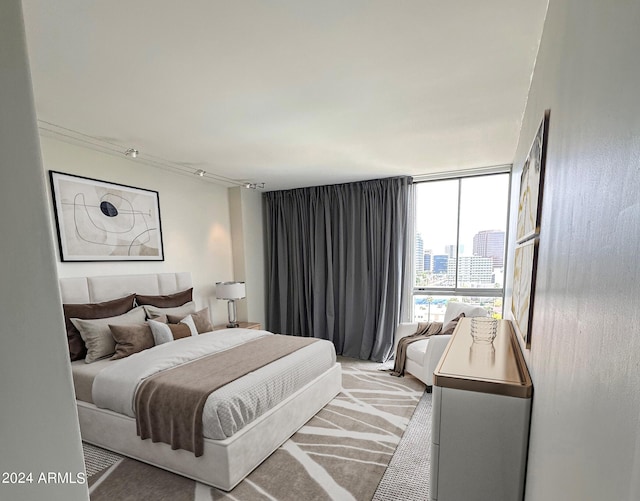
(248, 251)
(39, 430)
(585, 351)
(195, 219)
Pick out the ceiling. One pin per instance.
(291, 93)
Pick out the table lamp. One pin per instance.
(231, 291)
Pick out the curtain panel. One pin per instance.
(336, 263)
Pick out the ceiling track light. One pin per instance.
(253, 186)
(99, 144)
(200, 172)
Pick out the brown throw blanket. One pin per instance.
(169, 404)
(425, 330)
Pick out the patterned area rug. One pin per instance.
(407, 476)
(340, 454)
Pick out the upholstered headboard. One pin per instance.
(105, 288)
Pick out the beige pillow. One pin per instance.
(97, 335)
(178, 311)
(131, 339)
(200, 319)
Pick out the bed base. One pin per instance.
(225, 463)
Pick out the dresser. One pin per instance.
(482, 396)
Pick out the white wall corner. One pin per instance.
(246, 215)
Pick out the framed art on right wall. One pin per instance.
(528, 232)
(531, 185)
(524, 286)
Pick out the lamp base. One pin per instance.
(233, 319)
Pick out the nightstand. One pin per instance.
(243, 325)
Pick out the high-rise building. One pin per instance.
(490, 243)
(419, 257)
(427, 261)
(450, 250)
(440, 263)
(472, 271)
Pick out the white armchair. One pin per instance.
(423, 356)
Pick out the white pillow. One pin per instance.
(97, 335)
(160, 331)
(454, 309)
(185, 309)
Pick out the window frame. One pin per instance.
(462, 291)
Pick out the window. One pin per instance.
(461, 226)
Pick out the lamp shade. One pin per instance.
(230, 290)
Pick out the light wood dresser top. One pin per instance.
(497, 368)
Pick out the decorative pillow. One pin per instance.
(167, 301)
(178, 331)
(188, 321)
(97, 335)
(161, 318)
(179, 311)
(131, 339)
(77, 348)
(164, 333)
(451, 326)
(200, 319)
(454, 309)
(160, 332)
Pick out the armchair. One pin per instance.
(423, 356)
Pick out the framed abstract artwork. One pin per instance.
(524, 286)
(102, 221)
(528, 233)
(531, 185)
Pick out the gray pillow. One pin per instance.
(181, 311)
(97, 335)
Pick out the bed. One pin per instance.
(232, 447)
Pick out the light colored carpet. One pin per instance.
(407, 476)
(340, 454)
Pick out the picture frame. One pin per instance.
(532, 184)
(103, 221)
(524, 286)
(528, 232)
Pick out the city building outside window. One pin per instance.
(459, 247)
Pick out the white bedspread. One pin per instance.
(231, 407)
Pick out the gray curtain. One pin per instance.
(336, 261)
